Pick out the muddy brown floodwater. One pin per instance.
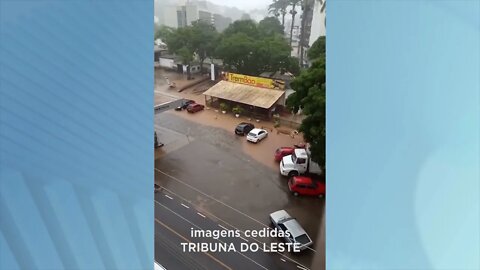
(262, 151)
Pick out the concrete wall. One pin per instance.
(167, 63)
(192, 13)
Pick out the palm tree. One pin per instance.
(279, 7)
(294, 4)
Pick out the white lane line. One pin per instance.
(186, 206)
(299, 267)
(168, 197)
(210, 197)
(200, 214)
(243, 239)
(218, 218)
(222, 227)
(198, 227)
(206, 195)
(283, 260)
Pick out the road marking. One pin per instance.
(283, 260)
(243, 239)
(299, 267)
(203, 193)
(186, 206)
(198, 227)
(222, 227)
(168, 197)
(200, 214)
(234, 209)
(185, 239)
(218, 218)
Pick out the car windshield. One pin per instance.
(302, 239)
(252, 134)
(294, 158)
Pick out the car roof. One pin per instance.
(280, 215)
(294, 228)
(303, 180)
(244, 124)
(256, 130)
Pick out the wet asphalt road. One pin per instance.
(175, 219)
(205, 169)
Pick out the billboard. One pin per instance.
(255, 81)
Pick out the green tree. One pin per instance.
(163, 32)
(317, 50)
(248, 27)
(204, 40)
(270, 26)
(310, 96)
(237, 51)
(180, 42)
(279, 7)
(246, 49)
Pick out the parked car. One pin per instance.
(283, 151)
(195, 107)
(256, 135)
(303, 185)
(244, 128)
(283, 221)
(185, 104)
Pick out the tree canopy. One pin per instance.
(310, 96)
(270, 26)
(245, 46)
(199, 39)
(317, 50)
(251, 49)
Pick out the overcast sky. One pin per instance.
(243, 4)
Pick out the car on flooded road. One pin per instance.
(256, 135)
(244, 128)
(306, 186)
(195, 107)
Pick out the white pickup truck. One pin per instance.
(299, 163)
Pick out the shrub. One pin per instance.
(224, 106)
(238, 110)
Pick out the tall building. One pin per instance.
(220, 22)
(183, 15)
(318, 28)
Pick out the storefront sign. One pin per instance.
(255, 81)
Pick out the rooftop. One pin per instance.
(246, 94)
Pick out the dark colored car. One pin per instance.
(303, 185)
(244, 128)
(156, 188)
(185, 104)
(195, 107)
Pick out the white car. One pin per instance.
(257, 134)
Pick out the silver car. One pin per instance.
(283, 221)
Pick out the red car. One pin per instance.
(195, 107)
(282, 152)
(303, 185)
(285, 151)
